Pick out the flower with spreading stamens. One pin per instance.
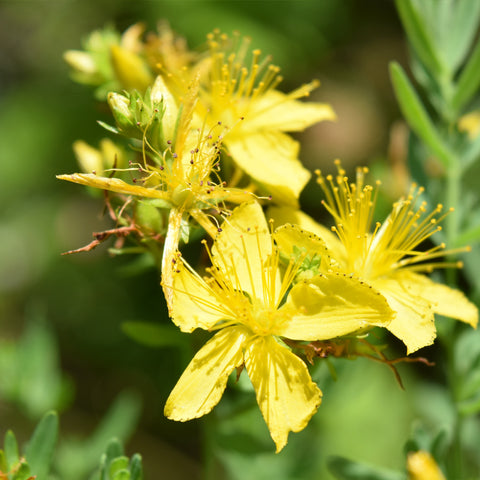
(245, 99)
(184, 178)
(389, 258)
(250, 302)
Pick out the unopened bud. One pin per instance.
(120, 106)
(131, 71)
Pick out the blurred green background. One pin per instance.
(77, 303)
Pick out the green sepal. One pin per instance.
(108, 127)
(157, 202)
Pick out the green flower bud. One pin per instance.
(120, 106)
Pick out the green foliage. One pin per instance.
(76, 458)
(37, 459)
(344, 469)
(417, 116)
(114, 465)
(30, 373)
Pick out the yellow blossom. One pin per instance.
(388, 258)
(243, 301)
(183, 178)
(244, 98)
(422, 466)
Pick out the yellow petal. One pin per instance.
(242, 247)
(277, 111)
(285, 393)
(289, 236)
(283, 214)
(89, 158)
(444, 300)
(202, 384)
(192, 303)
(113, 185)
(414, 322)
(270, 158)
(333, 305)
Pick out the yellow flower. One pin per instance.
(243, 300)
(422, 466)
(182, 178)
(388, 258)
(257, 115)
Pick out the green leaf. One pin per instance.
(463, 26)
(3, 462)
(114, 449)
(136, 468)
(118, 464)
(418, 36)
(468, 82)
(108, 127)
(344, 469)
(24, 472)
(153, 335)
(39, 452)
(11, 449)
(121, 475)
(119, 421)
(416, 115)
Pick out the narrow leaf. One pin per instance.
(418, 36)
(108, 127)
(41, 447)
(11, 449)
(118, 464)
(122, 475)
(463, 27)
(344, 469)
(416, 115)
(136, 469)
(468, 81)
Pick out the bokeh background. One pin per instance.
(61, 339)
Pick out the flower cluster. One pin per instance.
(208, 148)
